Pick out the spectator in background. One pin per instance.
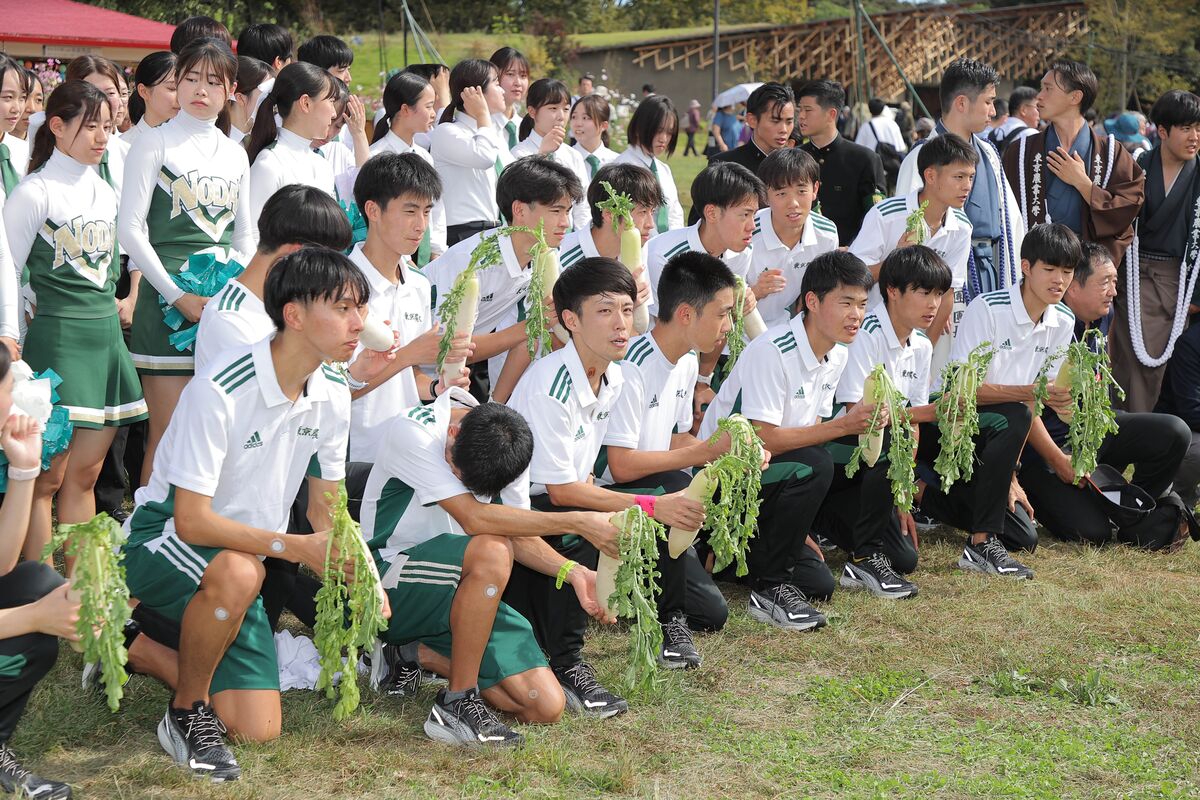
(923, 129)
(726, 128)
(904, 120)
(587, 85)
(1021, 121)
(647, 90)
(692, 128)
(1001, 116)
(880, 129)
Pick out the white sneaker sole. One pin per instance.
(987, 569)
(167, 742)
(884, 594)
(759, 614)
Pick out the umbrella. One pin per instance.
(735, 95)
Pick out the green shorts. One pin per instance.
(422, 590)
(163, 574)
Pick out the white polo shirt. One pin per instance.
(655, 401)
(665, 246)
(400, 504)
(237, 438)
(465, 156)
(907, 362)
(884, 225)
(779, 380)
(391, 143)
(666, 182)
(581, 213)
(818, 236)
(502, 288)
(234, 319)
(1022, 345)
(568, 420)
(406, 305)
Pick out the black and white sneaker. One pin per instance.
(826, 544)
(585, 694)
(15, 779)
(784, 607)
(678, 649)
(391, 673)
(876, 574)
(990, 558)
(468, 722)
(196, 739)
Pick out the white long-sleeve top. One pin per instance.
(465, 156)
(186, 189)
(581, 213)
(635, 155)
(289, 159)
(391, 143)
(10, 290)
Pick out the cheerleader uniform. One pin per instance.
(186, 192)
(289, 159)
(61, 223)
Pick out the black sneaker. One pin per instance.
(196, 739)
(468, 722)
(876, 574)
(990, 558)
(391, 673)
(585, 694)
(784, 607)
(826, 544)
(15, 779)
(678, 649)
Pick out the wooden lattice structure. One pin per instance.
(1018, 41)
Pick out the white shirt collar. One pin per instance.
(268, 380)
(807, 356)
(397, 144)
(808, 235)
(293, 141)
(378, 283)
(609, 383)
(1051, 317)
(889, 330)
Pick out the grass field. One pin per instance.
(1081, 684)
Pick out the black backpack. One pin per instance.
(889, 155)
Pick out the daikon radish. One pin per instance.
(376, 335)
(460, 306)
(914, 224)
(871, 441)
(1063, 381)
(541, 286)
(621, 208)
(746, 327)
(627, 588)
(701, 489)
(879, 391)
(753, 325)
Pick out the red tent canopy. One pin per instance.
(64, 22)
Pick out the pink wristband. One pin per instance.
(646, 502)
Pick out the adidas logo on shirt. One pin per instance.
(799, 395)
(654, 402)
(1006, 344)
(579, 434)
(254, 441)
(487, 298)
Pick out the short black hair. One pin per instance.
(876, 106)
(587, 76)
(507, 57)
(310, 275)
(828, 94)
(768, 96)
(326, 52)
(830, 270)
(301, 214)
(1001, 106)
(724, 184)
(789, 165)
(633, 180)
(692, 278)
(493, 448)
(535, 179)
(265, 41)
(652, 115)
(387, 176)
(1176, 107)
(1051, 243)
(1077, 76)
(1020, 96)
(914, 268)
(590, 277)
(968, 76)
(1091, 254)
(944, 150)
(199, 27)
(647, 87)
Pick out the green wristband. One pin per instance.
(563, 571)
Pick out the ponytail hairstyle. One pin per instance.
(542, 92)
(70, 100)
(403, 89)
(151, 71)
(210, 55)
(466, 73)
(293, 82)
(598, 109)
(251, 73)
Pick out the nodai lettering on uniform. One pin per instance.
(86, 246)
(311, 433)
(190, 192)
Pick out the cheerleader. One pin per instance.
(35, 102)
(653, 132)
(186, 192)
(409, 104)
(105, 76)
(468, 150)
(153, 101)
(254, 80)
(61, 223)
(513, 71)
(589, 126)
(543, 131)
(14, 152)
(305, 96)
